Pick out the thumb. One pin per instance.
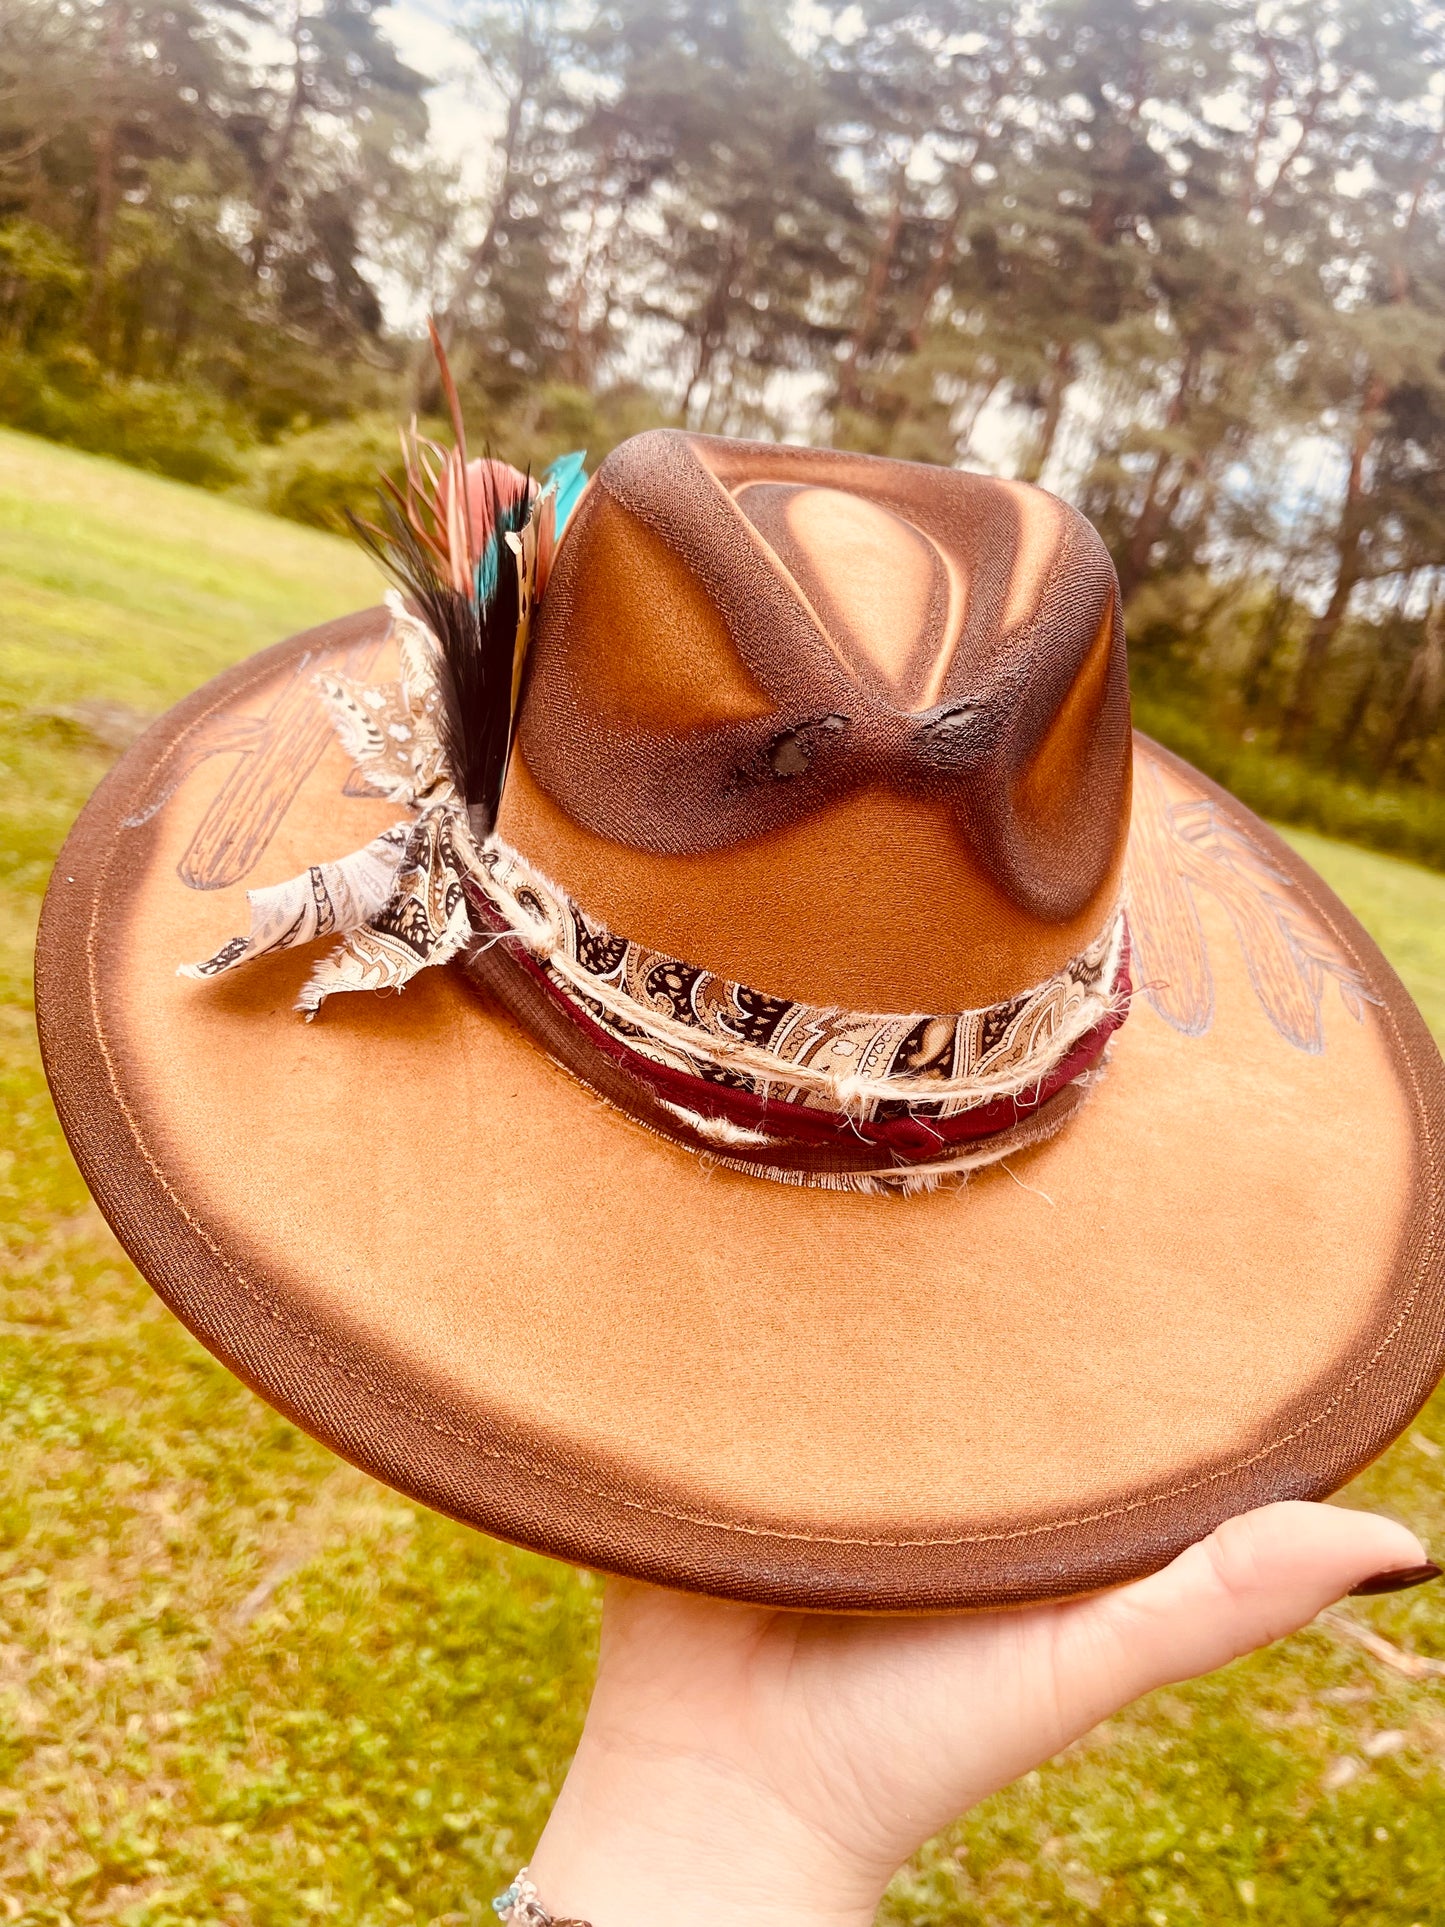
(1254, 1579)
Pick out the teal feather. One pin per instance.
(489, 569)
(568, 477)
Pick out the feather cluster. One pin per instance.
(470, 544)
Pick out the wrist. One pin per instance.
(652, 1837)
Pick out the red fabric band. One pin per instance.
(906, 1138)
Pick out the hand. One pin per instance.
(748, 1766)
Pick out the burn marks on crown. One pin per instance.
(792, 752)
(998, 635)
(959, 736)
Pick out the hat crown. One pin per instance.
(846, 729)
(881, 592)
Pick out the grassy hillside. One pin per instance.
(122, 591)
(240, 1683)
(139, 587)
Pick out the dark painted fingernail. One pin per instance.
(1400, 1580)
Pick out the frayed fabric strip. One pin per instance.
(915, 1180)
(712, 1117)
(399, 906)
(863, 1064)
(327, 898)
(719, 1130)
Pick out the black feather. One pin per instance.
(475, 628)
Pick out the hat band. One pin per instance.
(786, 1089)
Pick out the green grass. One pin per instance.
(240, 1683)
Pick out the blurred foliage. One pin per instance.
(183, 431)
(319, 474)
(1408, 822)
(242, 1685)
(1183, 263)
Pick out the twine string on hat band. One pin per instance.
(904, 1146)
(765, 1084)
(835, 1059)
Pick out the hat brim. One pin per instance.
(1222, 1282)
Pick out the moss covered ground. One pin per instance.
(241, 1683)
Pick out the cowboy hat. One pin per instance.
(886, 1138)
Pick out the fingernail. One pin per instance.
(1400, 1580)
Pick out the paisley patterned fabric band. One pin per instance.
(824, 1059)
(783, 1088)
(906, 1147)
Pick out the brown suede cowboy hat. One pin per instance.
(850, 1160)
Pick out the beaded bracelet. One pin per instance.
(520, 1905)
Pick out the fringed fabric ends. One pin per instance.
(399, 905)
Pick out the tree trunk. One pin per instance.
(1267, 639)
(1350, 537)
(484, 253)
(598, 264)
(1157, 507)
(1349, 568)
(1301, 711)
(1134, 563)
(939, 262)
(982, 394)
(1419, 702)
(879, 269)
(575, 364)
(1400, 269)
(1353, 719)
(424, 384)
(712, 330)
(1263, 124)
(269, 193)
(103, 142)
(1061, 373)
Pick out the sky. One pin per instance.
(463, 121)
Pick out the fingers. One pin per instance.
(1256, 1578)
